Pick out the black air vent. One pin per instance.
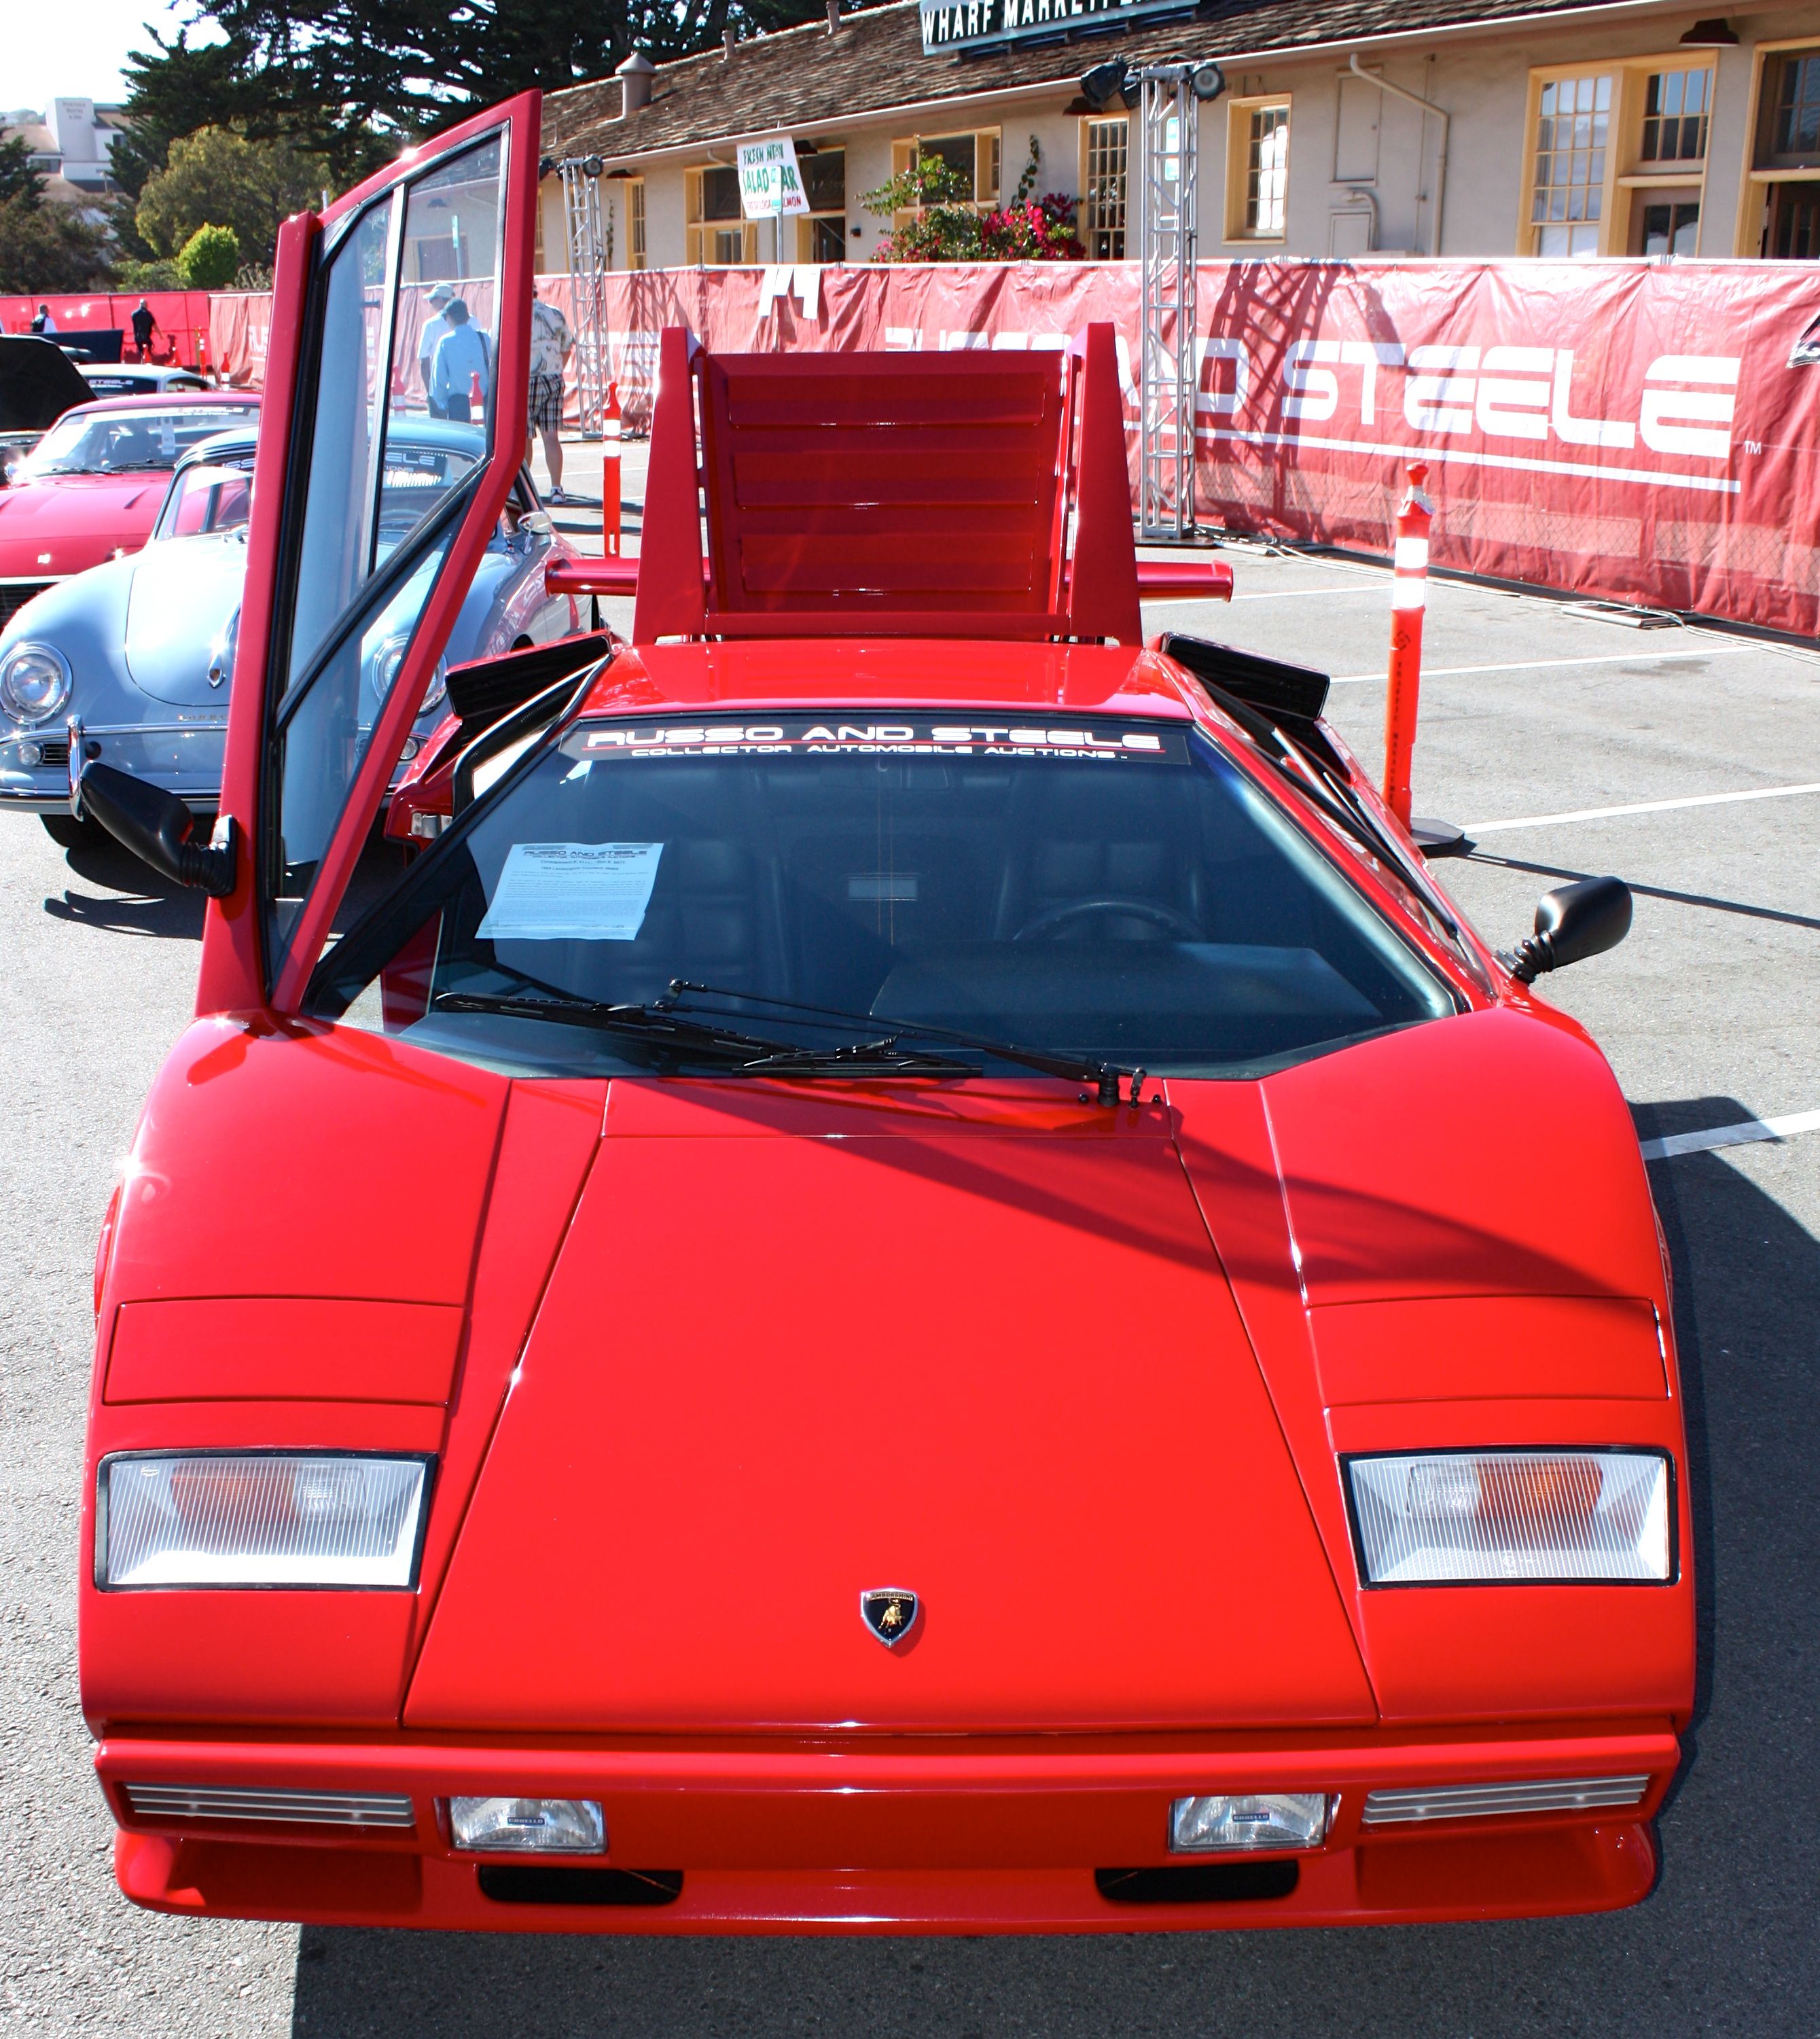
(1283, 692)
(1199, 1883)
(546, 1883)
(482, 693)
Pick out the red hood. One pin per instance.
(1051, 1367)
(64, 526)
(981, 1348)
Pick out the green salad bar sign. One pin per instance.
(770, 183)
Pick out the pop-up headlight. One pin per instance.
(259, 1519)
(1531, 1516)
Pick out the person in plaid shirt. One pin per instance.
(552, 343)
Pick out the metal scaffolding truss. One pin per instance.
(590, 256)
(1167, 131)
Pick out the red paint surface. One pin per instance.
(283, 1348)
(67, 523)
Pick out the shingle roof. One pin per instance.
(875, 62)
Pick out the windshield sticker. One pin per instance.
(572, 892)
(810, 736)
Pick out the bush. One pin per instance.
(947, 229)
(217, 177)
(162, 274)
(210, 259)
(46, 248)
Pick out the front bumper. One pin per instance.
(182, 757)
(881, 1838)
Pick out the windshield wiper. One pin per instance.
(1104, 1075)
(752, 1055)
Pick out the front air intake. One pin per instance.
(1477, 1801)
(169, 1802)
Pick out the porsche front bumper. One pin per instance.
(876, 1836)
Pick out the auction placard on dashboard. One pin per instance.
(871, 735)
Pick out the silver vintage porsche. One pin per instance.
(133, 659)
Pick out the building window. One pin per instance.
(1617, 164)
(1257, 168)
(1573, 134)
(635, 222)
(821, 236)
(1105, 164)
(1676, 104)
(1267, 170)
(718, 236)
(974, 155)
(1669, 228)
(1779, 208)
(1796, 135)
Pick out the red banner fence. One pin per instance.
(1645, 432)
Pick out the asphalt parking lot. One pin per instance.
(1565, 743)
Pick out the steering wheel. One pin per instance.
(1055, 918)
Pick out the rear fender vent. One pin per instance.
(178, 1803)
(1476, 1801)
(1199, 1883)
(546, 1883)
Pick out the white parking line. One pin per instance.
(1376, 587)
(1641, 807)
(1739, 1135)
(1542, 665)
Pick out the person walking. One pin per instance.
(144, 325)
(433, 329)
(460, 357)
(43, 323)
(552, 343)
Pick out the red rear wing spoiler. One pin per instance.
(888, 495)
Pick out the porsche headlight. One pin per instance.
(387, 660)
(259, 1519)
(34, 682)
(1559, 1515)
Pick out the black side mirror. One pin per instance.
(158, 829)
(1573, 922)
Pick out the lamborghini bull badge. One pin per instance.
(890, 1612)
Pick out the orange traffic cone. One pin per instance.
(610, 472)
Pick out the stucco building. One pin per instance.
(1457, 128)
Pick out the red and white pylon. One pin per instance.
(1409, 606)
(610, 472)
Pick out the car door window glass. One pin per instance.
(382, 497)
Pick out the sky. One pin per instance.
(55, 52)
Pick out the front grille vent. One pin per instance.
(56, 752)
(15, 594)
(1475, 1802)
(314, 1809)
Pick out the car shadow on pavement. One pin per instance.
(133, 898)
(1724, 1945)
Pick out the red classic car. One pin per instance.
(91, 487)
(915, 1278)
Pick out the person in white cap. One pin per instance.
(433, 329)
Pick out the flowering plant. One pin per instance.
(944, 225)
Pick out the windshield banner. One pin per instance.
(867, 734)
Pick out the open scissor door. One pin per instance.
(370, 518)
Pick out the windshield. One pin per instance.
(1115, 892)
(206, 498)
(123, 441)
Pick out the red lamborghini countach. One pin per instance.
(913, 1278)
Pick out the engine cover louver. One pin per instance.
(1471, 1802)
(322, 1808)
